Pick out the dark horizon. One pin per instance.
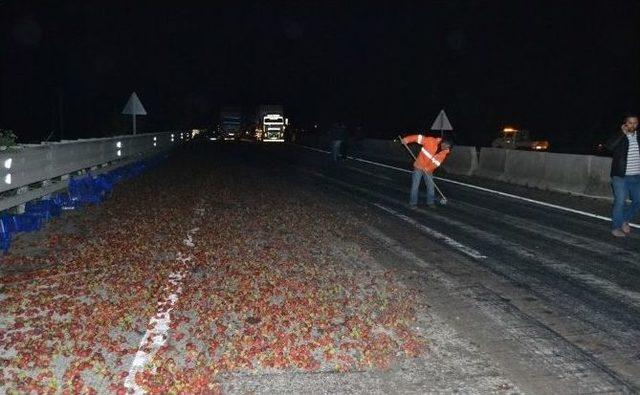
(564, 70)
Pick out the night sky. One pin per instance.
(565, 70)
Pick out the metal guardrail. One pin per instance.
(28, 172)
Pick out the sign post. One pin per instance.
(134, 107)
(442, 123)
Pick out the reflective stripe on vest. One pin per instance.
(431, 158)
(419, 139)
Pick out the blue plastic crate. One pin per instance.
(103, 185)
(65, 202)
(8, 224)
(26, 222)
(44, 209)
(5, 242)
(5, 233)
(84, 191)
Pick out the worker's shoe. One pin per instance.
(626, 228)
(618, 233)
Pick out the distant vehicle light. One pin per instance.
(540, 145)
(213, 138)
(7, 163)
(119, 144)
(119, 153)
(509, 129)
(7, 179)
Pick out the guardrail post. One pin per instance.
(21, 207)
(44, 185)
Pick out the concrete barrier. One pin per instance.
(577, 174)
(524, 168)
(462, 160)
(566, 173)
(598, 184)
(492, 163)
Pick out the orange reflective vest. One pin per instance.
(428, 159)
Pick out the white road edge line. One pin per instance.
(509, 195)
(446, 239)
(157, 335)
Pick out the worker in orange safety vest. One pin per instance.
(433, 152)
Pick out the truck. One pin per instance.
(512, 138)
(229, 126)
(268, 123)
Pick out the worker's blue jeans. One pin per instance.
(623, 187)
(417, 176)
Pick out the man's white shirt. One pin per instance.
(633, 156)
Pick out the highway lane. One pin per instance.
(521, 298)
(585, 283)
(193, 275)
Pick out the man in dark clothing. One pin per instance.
(625, 175)
(338, 134)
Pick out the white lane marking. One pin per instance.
(315, 149)
(434, 233)
(595, 246)
(189, 241)
(509, 195)
(368, 173)
(603, 285)
(401, 251)
(157, 335)
(448, 240)
(546, 231)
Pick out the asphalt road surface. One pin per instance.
(547, 292)
(513, 296)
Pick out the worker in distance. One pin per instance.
(433, 152)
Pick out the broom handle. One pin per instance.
(407, 147)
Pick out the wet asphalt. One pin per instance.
(574, 287)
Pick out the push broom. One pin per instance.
(443, 199)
